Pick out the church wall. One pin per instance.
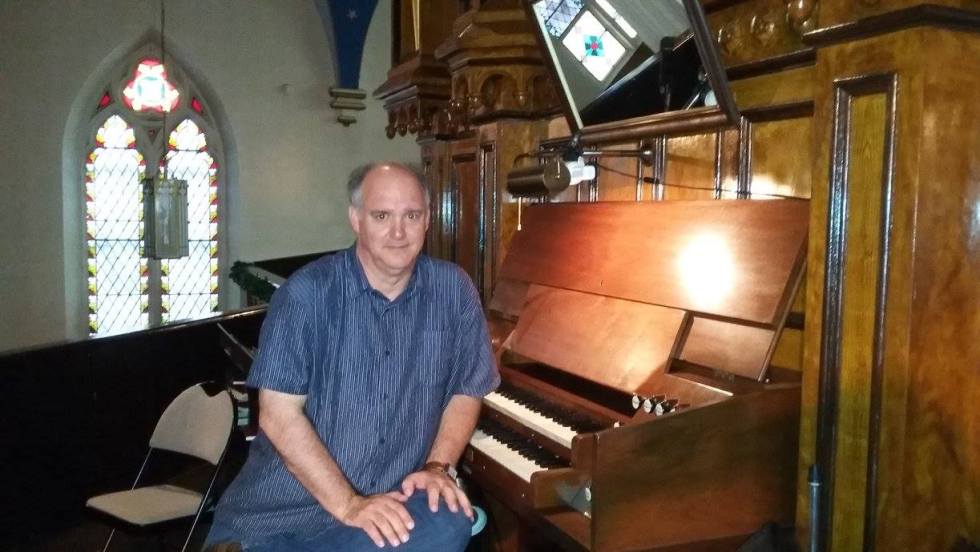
(264, 67)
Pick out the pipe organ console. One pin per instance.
(638, 409)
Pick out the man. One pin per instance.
(371, 368)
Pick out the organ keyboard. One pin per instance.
(637, 409)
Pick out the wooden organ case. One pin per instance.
(637, 411)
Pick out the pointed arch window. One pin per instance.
(141, 127)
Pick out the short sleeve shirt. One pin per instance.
(377, 375)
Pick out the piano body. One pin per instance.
(637, 409)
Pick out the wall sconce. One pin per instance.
(548, 178)
(164, 218)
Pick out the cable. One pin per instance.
(616, 171)
(722, 190)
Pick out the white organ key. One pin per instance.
(542, 424)
(504, 456)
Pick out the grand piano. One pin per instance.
(638, 409)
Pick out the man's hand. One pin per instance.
(382, 517)
(438, 483)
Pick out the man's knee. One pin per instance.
(454, 524)
(441, 530)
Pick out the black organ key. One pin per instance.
(579, 422)
(521, 444)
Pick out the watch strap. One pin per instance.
(443, 467)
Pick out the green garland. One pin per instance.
(255, 286)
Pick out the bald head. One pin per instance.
(355, 182)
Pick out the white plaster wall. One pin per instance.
(287, 157)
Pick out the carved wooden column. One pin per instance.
(501, 92)
(417, 88)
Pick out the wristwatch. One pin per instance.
(444, 467)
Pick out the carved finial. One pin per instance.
(801, 15)
(726, 40)
(763, 27)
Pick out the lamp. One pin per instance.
(165, 217)
(164, 199)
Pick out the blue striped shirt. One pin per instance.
(377, 375)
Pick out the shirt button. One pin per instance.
(381, 440)
(387, 353)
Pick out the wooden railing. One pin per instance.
(77, 416)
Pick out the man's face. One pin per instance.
(391, 222)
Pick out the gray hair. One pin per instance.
(355, 182)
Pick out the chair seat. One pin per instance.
(148, 505)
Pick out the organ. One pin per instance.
(638, 409)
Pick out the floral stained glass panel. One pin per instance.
(150, 89)
(592, 44)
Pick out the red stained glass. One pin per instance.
(105, 100)
(196, 105)
(150, 90)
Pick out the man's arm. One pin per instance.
(455, 429)
(282, 419)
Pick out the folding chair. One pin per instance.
(197, 423)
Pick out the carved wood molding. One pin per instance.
(924, 15)
(663, 124)
(490, 67)
(831, 360)
(749, 31)
(414, 95)
(799, 58)
(496, 69)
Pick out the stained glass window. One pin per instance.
(592, 44)
(557, 14)
(125, 290)
(189, 285)
(150, 90)
(117, 273)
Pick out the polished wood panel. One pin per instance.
(926, 486)
(435, 167)
(621, 344)
(467, 217)
(729, 262)
(941, 436)
(664, 483)
(795, 85)
(618, 175)
(732, 348)
(777, 148)
(860, 274)
(690, 164)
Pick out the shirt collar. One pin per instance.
(358, 282)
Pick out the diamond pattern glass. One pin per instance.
(189, 285)
(557, 14)
(117, 273)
